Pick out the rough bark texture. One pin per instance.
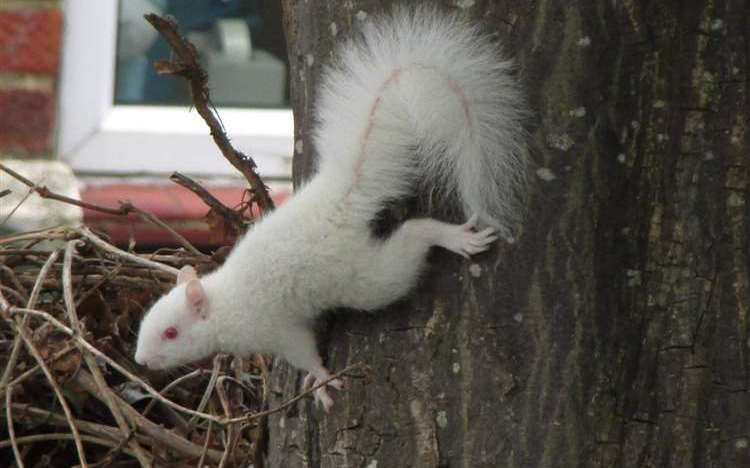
(614, 332)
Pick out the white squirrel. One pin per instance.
(419, 96)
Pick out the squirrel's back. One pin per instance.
(422, 95)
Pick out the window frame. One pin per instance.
(96, 136)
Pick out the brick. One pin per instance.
(30, 40)
(26, 120)
(27, 81)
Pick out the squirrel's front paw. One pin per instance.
(321, 394)
(466, 241)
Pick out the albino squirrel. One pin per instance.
(419, 96)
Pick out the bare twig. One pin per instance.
(68, 348)
(62, 436)
(173, 384)
(95, 288)
(202, 459)
(43, 272)
(140, 280)
(15, 208)
(49, 417)
(180, 259)
(209, 388)
(11, 431)
(188, 67)
(22, 320)
(104, 390)
(5, 192)
(230, 429)
(158, 222)
(19, 297)
(57, 419)
(68, 288)
(44, 192)
(100, 432)
(260, 443)
(151, 429)
(86, 232)
(231, 217)
(14, 357)
(14, 279)
(44, 234)
(253, 416)
(20, 252)
(124, 209)
(7, 310)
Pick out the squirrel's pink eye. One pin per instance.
(170, 333)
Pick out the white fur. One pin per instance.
(420, 95)
(419, 68)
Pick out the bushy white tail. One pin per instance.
(423, 95)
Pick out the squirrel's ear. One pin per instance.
(186, 274)
(196, 298)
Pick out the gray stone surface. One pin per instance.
(23, 210)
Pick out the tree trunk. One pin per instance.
(614, 331)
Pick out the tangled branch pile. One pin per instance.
(70, 388)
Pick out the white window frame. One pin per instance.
(95, 136)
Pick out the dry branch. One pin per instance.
(108, 396)
(86, 232)
(61, 436)
(44, 192)
(125, 208)
(149, 428)
(6, 311)
(230, 217)
(11, 430)
(188, 67)
(291, 401)
(30, 304)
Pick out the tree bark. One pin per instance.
(614, 331)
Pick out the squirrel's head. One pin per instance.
(177, 329)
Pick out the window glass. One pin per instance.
(240, 43)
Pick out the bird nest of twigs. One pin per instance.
(72, 394)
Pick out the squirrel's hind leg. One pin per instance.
(394, 265)
(414, 238)
(317, 376)
(418, 235)
(303, 354)
(464, 239)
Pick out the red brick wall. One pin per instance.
(30, 34)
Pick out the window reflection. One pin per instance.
(240, 42)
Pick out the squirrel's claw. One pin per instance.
(321, 394)
(465, 240)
